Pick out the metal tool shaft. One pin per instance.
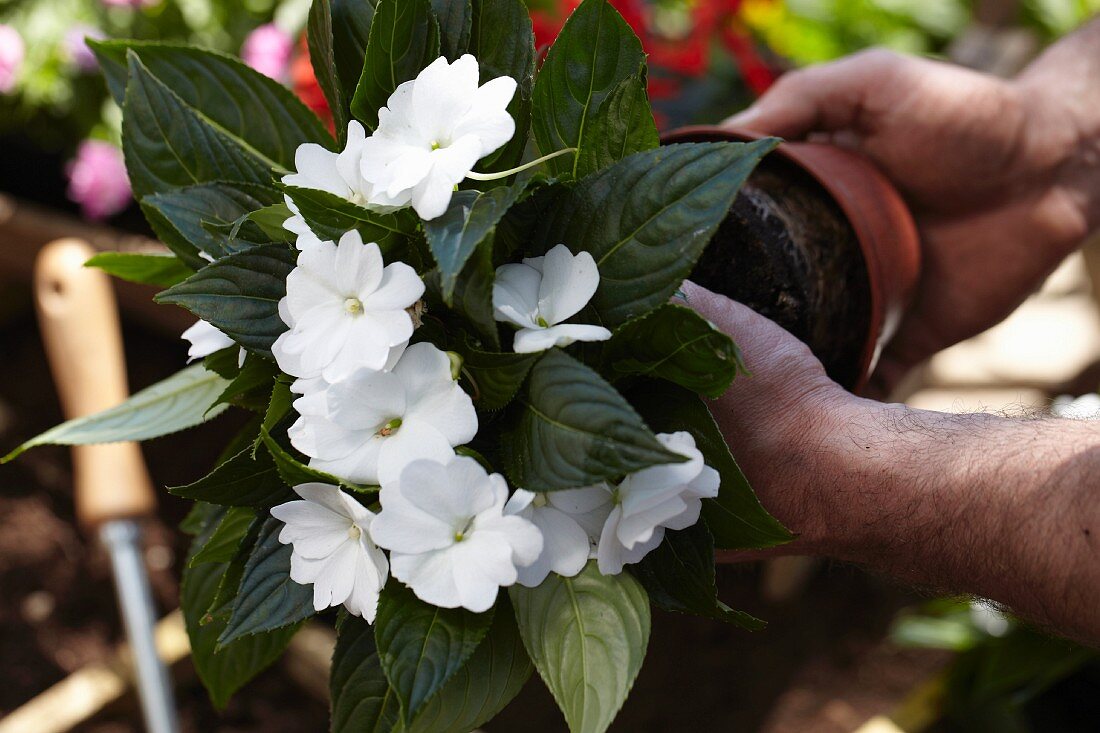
(122, 538)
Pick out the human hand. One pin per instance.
(777, 419)
(990, 168)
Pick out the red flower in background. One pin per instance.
(672, 61)
(305, 85)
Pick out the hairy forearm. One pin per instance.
(1004, 509)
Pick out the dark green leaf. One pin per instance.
(222, 605)
(147, 268)
(182, 217)
(421, 646)
(473, 297)
(362, 699)
(493, 676)
(677, 344)
(329, 216)
(623, 125)
(595, 51)
(224, 362)
(502, 41)
(404, 38)
(575, 430)
(455, 17)
(322, 57)
(223, 672)
(242, 102)
(241, 481)
(587, 636)
(454, 236)
(679, 576)
(647, 218)
(735, 518)
(224, 541)
(251, 388)
(239, 294)
(169, 144)
(496, 376)
(294, 472)
(268, 599)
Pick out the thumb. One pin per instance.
(827, 98)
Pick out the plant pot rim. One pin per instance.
(878, 215)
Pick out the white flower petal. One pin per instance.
(366, 400)
(205, 339)
(516, 295)
(358, 265)
(568, 283)
(413, 441)
(532, 340)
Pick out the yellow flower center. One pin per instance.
(354, 533)
(353, 306)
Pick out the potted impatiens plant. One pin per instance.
(479, 423)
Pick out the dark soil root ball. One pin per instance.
(787, 251)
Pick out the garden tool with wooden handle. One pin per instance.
(80, 328)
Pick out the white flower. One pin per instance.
(433, 130)
(570, 521)
(333, 550)
(205, 339)
(345, 310)
(304, 236)
(368, 427)
(339, 174)
(447, 534)
(661, 497)
(541, 292)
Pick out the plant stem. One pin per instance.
(518, 169)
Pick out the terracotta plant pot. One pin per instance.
(834, 224)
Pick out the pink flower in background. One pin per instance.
(76, 47)
(267, 50)
(98, 180)
(11, 57)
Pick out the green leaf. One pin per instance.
(453, 237)
(180, 401)
(493, 676)
(243, 481)
(404, 38)
(294, 472)
(473, 296)
(251, 387)
(735, 518)
(239, 294)
(223, 543)
(362, 699)
(595, 51)
(679, 576)
(647, 218)
(169, 144)
(575, 430)
(147, 268)
(242, 102)
(587, 636)
(677, 344)
(622, 125)
(337, 37)
(421, 646)
(496, 376)
(330, 216)
(222, 606)
(502, 40)
(455, 18)
(227, 669)
(268, 599)
(182, 217)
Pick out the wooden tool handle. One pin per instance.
(80, 328)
